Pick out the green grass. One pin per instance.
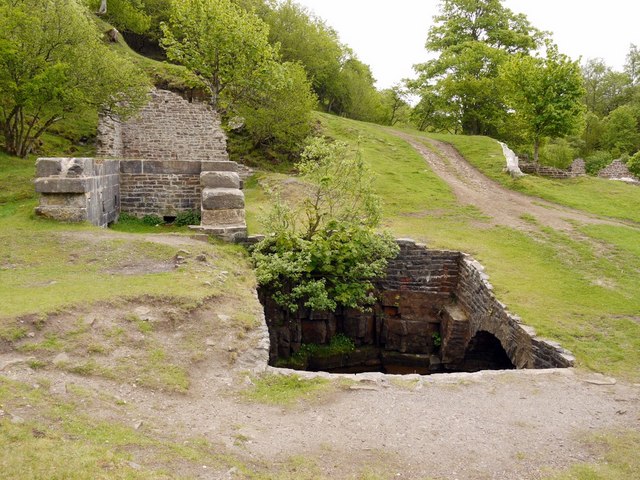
(620, 460)
(284, 389)
(594, 195)
(16, 180)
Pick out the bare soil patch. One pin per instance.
(490, 425)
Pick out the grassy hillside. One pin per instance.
(590, 194)
(580, 291)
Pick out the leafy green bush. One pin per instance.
(323, 251)
(188, 217)
(152, 220)
(557, 153)
(633, 164)
(597, 161)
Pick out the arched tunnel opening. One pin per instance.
(485, 352)
(434, 312)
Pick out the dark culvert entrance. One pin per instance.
(435, 312)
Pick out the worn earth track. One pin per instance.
(489, 425)
(505, 207)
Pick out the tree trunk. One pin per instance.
(536, 148)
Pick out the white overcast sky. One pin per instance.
(389, 35)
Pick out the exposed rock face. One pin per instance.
(435, 310)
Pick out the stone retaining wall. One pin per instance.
(431, 306)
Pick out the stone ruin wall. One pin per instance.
(170, 157)
(617, 170)
(426, 294)
(78, 189)
(162, 151)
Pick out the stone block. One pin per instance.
(314, 331)
(47, 167)
(223, 217)
(222, 199)
(219, 166)
(176, 167)
(62, 214)
(220, 180)
(71, 200)
(61, 185)
(131, 166)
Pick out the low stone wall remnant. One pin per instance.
(78, 190)
(617, 170)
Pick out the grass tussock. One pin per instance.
(285, 389)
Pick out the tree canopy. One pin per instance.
(472, 39)
(222, 44)
(54, 62)
(545, 94)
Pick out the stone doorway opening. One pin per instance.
(435, 312)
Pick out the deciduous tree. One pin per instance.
(472, 39)
(53, 62)
(545, 94)
(225, 46)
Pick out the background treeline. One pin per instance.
(495, 74)
(267, 64)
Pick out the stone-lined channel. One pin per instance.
(436, 312)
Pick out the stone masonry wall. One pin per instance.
(169, 158)
(545, 171)
(485, 313)
(431, 303)
(616, 169)
(167, 128)
(151, 187)
(78, 189)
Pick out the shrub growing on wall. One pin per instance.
(323, 250)
(633, 164)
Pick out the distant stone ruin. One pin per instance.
(170, 158)
(436, 313)
(517, 166)
(617, 170)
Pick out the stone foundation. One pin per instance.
(78, 190)
(436, 311)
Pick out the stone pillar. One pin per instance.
(78, 190)
(222, 201)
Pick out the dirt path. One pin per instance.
(504, 206)
(489, 425)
